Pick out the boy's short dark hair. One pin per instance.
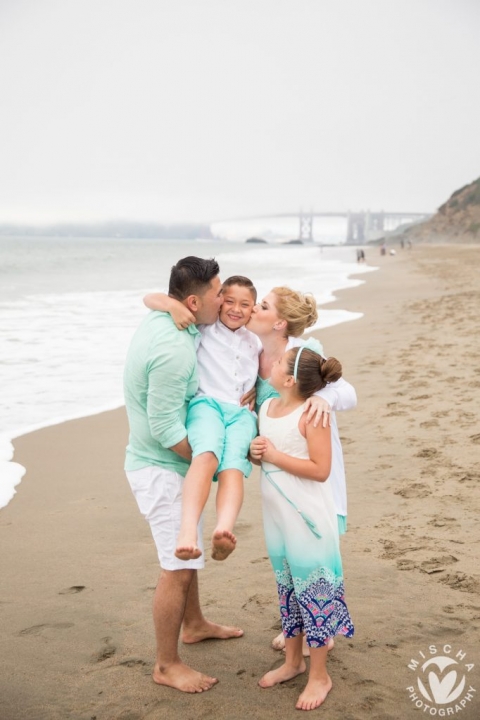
(243, 282)
(192, 276)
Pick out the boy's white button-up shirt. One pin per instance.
(227, 362)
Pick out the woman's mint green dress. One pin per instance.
(301, 533)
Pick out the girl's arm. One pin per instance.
(181, 315)
(317, 467)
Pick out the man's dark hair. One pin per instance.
(192, 276)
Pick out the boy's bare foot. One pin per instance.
(282, 674)
(314, 694)
(183, 678)
(209, 631)
(187, 552)
(278, 643)
(223, 543)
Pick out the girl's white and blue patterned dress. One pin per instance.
(301, 533)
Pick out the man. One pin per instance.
(160, 379)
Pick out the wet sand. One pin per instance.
(78, 567)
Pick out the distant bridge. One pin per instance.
(361, 226)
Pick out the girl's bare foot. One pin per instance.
(314, 694)
(187, 552)
(209, 631)
(183, 678)
(282, 674)
(223, 543)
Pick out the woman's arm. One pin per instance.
(317, 467)
(181, 315)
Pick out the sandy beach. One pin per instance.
(78, 566)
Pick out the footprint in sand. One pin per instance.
(475, 439)
(134, 662)
(461, 581)
(428, 452)
(105, 652)
(393, 550)
(72, 590)
(437, 564)
(429, 424)
(39, 629)
(440, 521)
(415, 490)
(406, 564)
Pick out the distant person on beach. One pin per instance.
(300, 520)
(279, 321)
(360, 255)
(159, 381)
(219, 428)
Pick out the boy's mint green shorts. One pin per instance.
(223, 429)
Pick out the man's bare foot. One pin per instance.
(282, 674)
(209, 631)
(314, 694)
(223, 543)
(278, 643)
(187, 552)
(184, 678)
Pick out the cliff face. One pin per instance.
(457, 220)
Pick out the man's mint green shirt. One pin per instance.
(160, 379)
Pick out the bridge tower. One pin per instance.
(305, 231)
(356, 225)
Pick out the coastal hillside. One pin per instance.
(457, 220)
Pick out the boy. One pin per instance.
(219, 428)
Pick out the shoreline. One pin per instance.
(12, 473)
(79, 566)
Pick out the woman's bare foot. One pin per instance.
(314, 694)
(209, 631)
(187, 552)
(183, 678)
(282, 674)
(223, 543)
(278, 643)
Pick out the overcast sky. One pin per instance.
(203, 110)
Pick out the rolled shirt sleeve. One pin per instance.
(160, 379)
(169, 377)
(340, 395)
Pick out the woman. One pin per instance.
(279, 321)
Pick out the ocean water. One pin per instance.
(69, 306)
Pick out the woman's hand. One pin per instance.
(258, 447)
(249, 398)
(315, 407)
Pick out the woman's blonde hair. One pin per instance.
(299, 310)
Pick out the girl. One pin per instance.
(300, 520)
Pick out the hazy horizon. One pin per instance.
(201, 111)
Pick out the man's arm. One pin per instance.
(169, 384)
